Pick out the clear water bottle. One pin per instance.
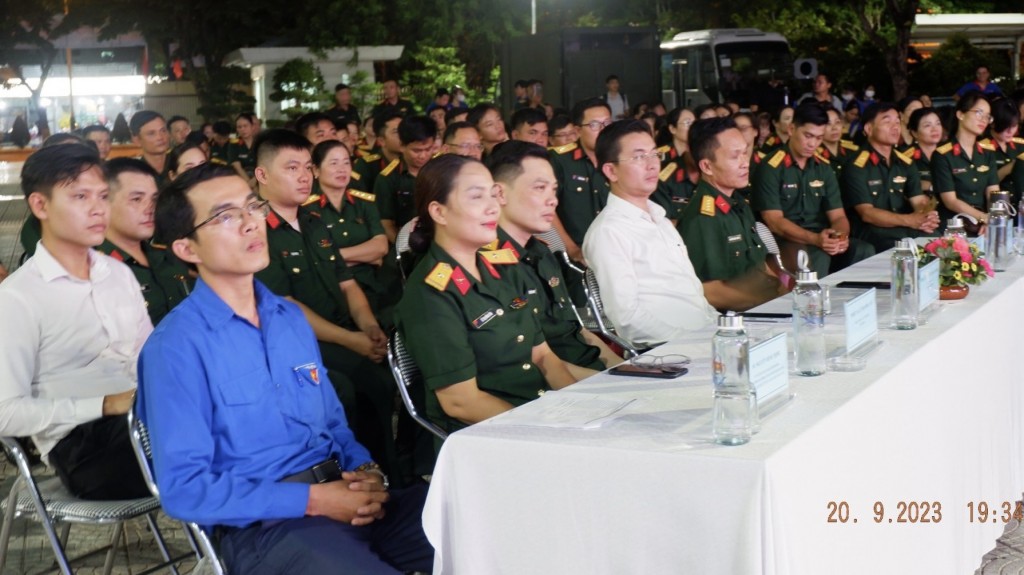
(904, 290)
(808, 321)
(734, 417)
(955, 226)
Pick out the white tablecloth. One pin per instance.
(935, 417)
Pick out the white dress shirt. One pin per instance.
(650, 291)
(65, 343)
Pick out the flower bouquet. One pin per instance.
(961, 264)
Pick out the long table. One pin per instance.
(934, 418)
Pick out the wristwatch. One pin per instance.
(373, 467)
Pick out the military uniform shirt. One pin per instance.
(219, 154)
(582, 190)
(164, 283)
(550, 300)
(1017, 178)
(803, 195)
(921, 161)
(886, 185)
(394, 190)
(239, 152)
(674, 184)
(366, 169)
(306, 265)
(719, 235)
(952, 171)
(457, 328)
(357, 222)
(837, 161)
(1003, 157)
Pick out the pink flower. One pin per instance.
(988, 269)
(960, 245)
(966, 257)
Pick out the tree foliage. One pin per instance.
(299, 86)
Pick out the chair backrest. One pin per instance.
(409, 380)
(402, 244)
(767, 238)
(144, 454)
(593, 293)
(552, 239)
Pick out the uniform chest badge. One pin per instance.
(899, 180)
(484, 318)
(553, 282)
(325, 243)
(817, 183)
(983, 168)
(518, 303)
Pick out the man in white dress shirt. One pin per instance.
(650, 290)
(73, 322)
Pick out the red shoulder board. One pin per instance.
(722, 205)
(273, 221)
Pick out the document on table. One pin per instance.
(567, 411)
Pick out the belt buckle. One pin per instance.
(326, 471)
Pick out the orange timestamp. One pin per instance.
(895, 512)
(994, 511)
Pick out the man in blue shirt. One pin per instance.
(248, 434)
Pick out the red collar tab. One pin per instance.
(577, 154)
(722, 205)
(323, 201)
(351, 199)
(490, 268)
(788, 160)
(917, 153)
(461, 282)
(874, 158)
(508, 246)
(273, 221)
(116, 254)
(956, 149)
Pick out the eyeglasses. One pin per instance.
(233, 217)
(982, 115)
(466, 147)
(667, 363)
(685, 123)
(597, 126)
(642, 158)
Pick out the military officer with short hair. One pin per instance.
(394, 185)
(718, 225)
(241, 155)
(881, 187)
(388, 149)
(798, 197)
(164, 279)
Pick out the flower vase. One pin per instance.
(949, 293)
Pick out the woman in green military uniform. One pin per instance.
(679, 174)
(964, 169)
(1005, 123)
(926, 126)
(354, 222)
(466, 315)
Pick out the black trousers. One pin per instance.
(96, 461)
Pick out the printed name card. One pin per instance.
(769, 368)
(861, 319)
(927, 284)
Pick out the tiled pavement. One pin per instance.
(30, 552)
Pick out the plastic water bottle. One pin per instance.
(904, 285)
(808, 321)
(735, 413)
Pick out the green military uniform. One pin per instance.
(921, 161)
(582, 190)
(239, 152)
(804, 196)
(394, 190)
(458, 328)
(164, 175)
(952, 171)
(1004, 157)
(165, 282)
(355, 223)
(675, 186)
(307, 266)
(31, 233)
(838, 160)
(219, 154)
(887, 184)
(405, 107)
(366, 169)
(719, 234)
(1017, 177)
(551, 301)
(771, 143)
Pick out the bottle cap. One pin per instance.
(804, 274)
(730, 321)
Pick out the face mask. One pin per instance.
(847, 97)
(869, 94)
(462, 97)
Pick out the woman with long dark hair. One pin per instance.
(466, 314)
(964, 168)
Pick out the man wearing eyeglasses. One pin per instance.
(882, 187)
(462, 139)
(650, 290)
(582, 187)
(306, 267)
(248, 437)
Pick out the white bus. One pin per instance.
(707, 66)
